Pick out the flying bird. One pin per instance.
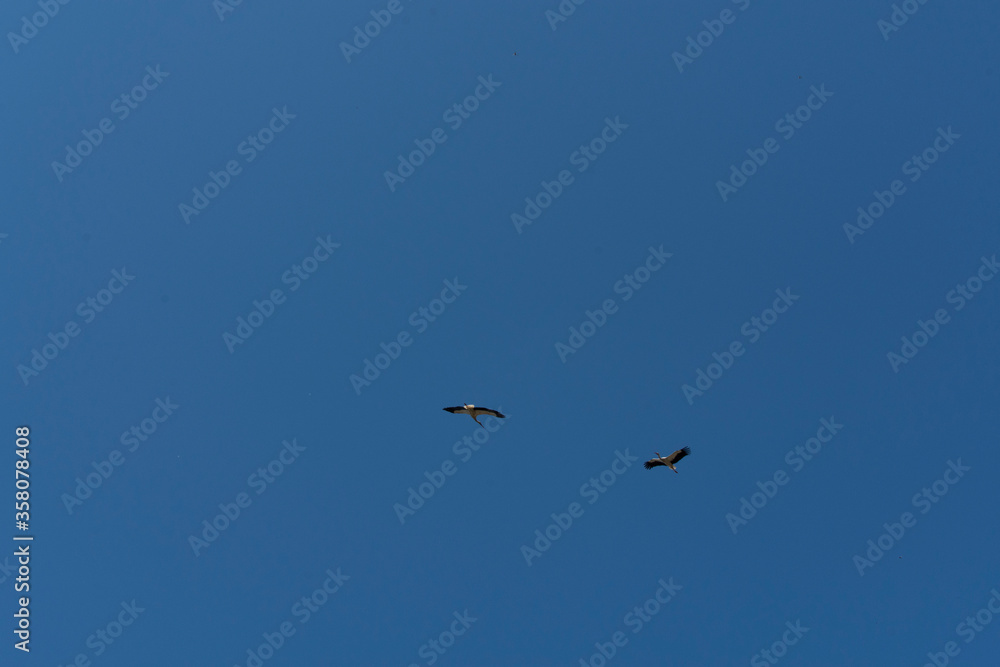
(668, 461)
(474, 412)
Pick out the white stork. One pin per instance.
(668, 461)
(474, 412)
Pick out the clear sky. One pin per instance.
(251, 252)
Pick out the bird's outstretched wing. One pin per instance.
(652, 463)
(679, 454)
(458, 409)
(487, 411)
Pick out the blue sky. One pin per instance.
(202, 247)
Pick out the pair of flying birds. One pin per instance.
(476, 413)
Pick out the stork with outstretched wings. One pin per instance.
(668, 461)
(474, 412)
